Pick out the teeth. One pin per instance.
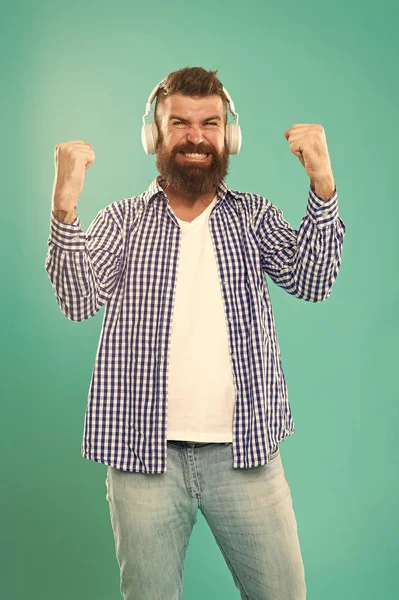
(195, 155)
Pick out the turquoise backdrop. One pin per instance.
(84, 70)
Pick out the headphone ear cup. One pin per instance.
(149, 137)
(233, 137)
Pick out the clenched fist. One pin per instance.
(71, 160)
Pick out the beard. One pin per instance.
(192, 180)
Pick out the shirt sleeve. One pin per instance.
(304, 262)
(84, 267)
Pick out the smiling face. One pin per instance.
(189, 124)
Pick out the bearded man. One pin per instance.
(188, 402)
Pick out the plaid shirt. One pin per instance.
(127, 260)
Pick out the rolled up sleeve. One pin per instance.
(83, 267)
(303, 262)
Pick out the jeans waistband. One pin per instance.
(187, 444)
(192, 444)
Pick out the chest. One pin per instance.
(187, 214)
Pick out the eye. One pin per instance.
(213, 123)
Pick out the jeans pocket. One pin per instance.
(107, 486)
(274, 453)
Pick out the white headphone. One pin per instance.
(149, 131)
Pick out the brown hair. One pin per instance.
(190, 81)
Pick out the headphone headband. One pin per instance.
(156, 88)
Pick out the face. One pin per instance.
(192, 125)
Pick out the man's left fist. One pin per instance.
(308, 142)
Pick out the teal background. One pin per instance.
(74, 70)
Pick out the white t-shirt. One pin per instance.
(201, 394)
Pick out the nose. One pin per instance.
(195, 135)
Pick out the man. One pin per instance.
(188, 349)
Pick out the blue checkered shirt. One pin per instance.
(127, 261)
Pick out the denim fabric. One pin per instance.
(249, 512)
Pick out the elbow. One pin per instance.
(81, 312)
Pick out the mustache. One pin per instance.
(200, 149)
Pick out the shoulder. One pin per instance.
(124, 210)
(253, 203)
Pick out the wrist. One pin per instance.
(323, 185)
(65, 216)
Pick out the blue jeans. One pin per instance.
(249, 512)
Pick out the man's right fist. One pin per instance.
(71, 161)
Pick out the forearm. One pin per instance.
(304, 262)
(64, 208)
(65, 216)
(323, 186)
(84, 267)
